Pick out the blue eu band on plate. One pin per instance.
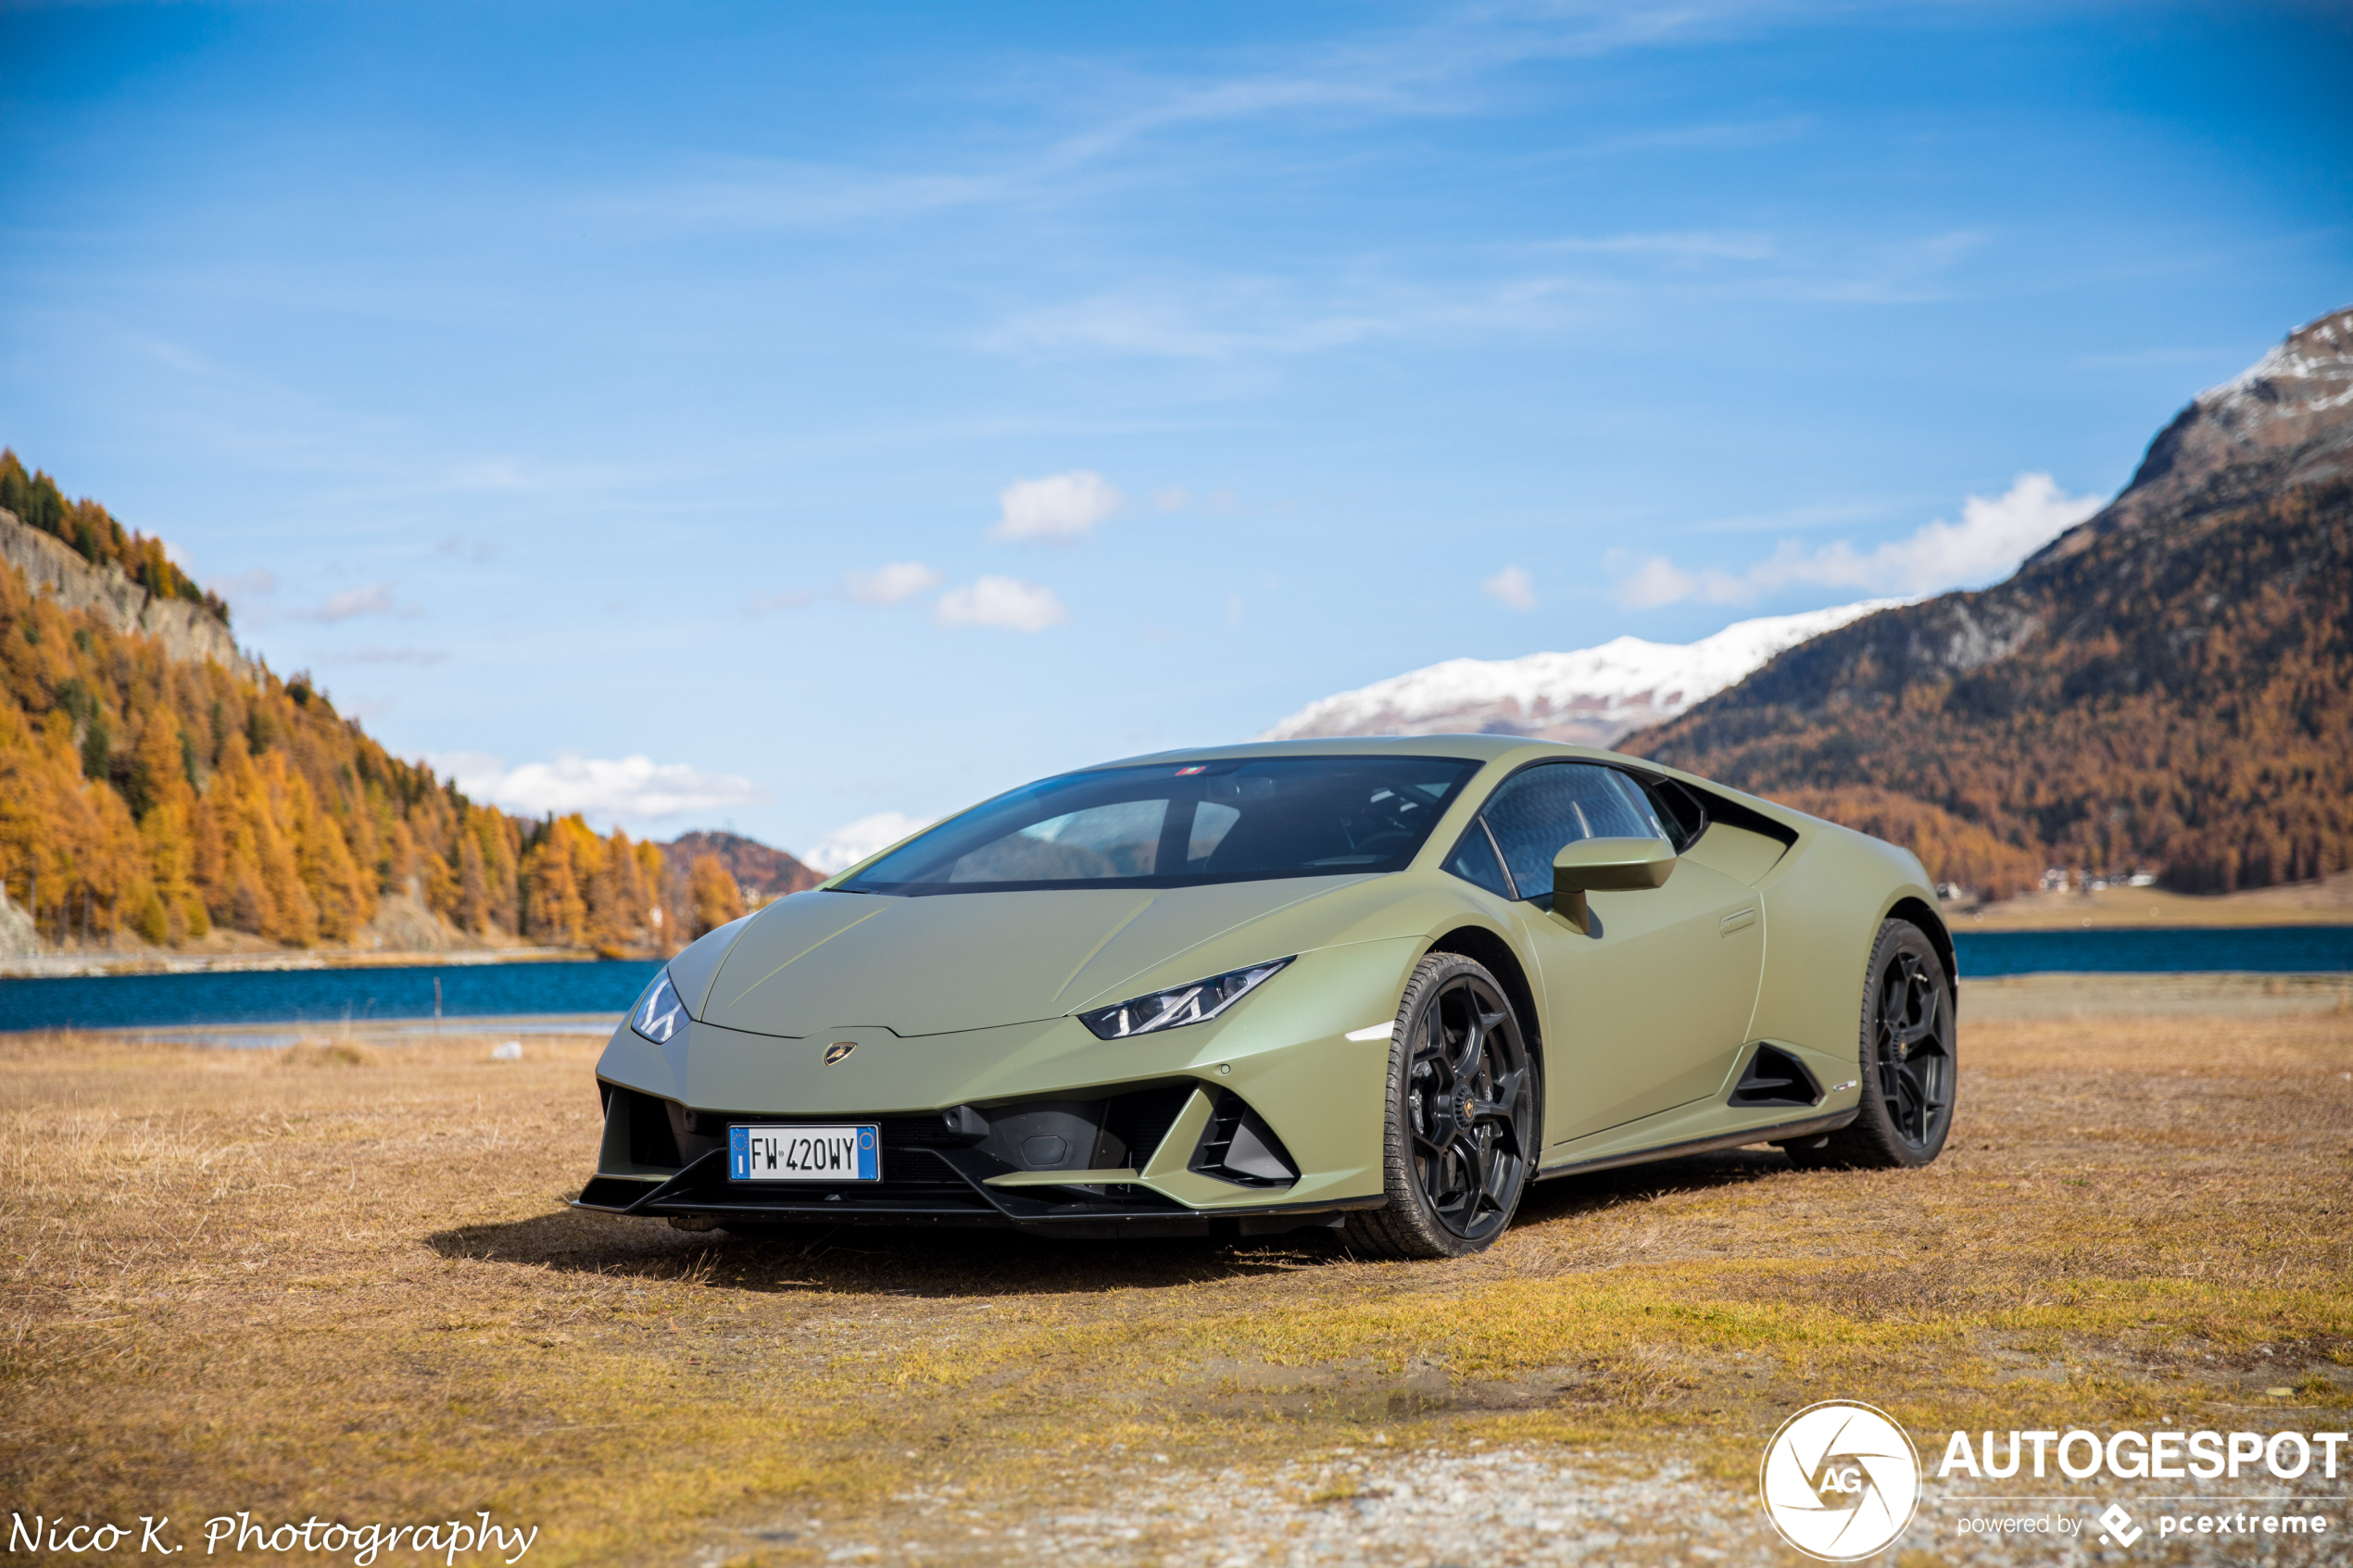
(803, 1154)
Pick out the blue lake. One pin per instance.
(2269, 949)
(328, 996)
(322, 995)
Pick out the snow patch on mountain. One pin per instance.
(1591, 697)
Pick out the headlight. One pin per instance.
(659, 1012)
(1179, 1005)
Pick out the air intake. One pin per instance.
(1238, 1147)
(1775, 1077)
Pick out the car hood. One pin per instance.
(976, 960)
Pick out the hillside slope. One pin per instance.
(760, 870)
(155, 785)
(2169, 686)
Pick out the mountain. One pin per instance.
(1591, 697)
(765, 872)
(159, 788)
(2167, 686)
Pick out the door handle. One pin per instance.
(1740, 921)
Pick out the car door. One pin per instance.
(1649, 1010)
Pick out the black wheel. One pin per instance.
(1909, 1071)
(1461, 1125)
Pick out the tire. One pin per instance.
(1909, 1072)
(1460, 1139)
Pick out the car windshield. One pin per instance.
(1175, 825)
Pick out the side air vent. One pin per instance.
(1775, 1077)
(1238, 1147)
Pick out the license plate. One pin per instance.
(803, 1154)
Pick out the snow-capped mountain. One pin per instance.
(1591, 697)
(2284, 421)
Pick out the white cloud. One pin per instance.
(1061, 508)
(852, 842)
(1993, 536)
(1007, 603)
(352, 602)
(1512, 586)
(1657, 582)
(631, 788)
(888, 584)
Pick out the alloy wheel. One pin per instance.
(1914, 1062)
(1469, 1108)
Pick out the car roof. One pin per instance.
(1470, 747)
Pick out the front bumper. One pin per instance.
(969, 1166)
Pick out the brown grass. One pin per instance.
(341, 1279)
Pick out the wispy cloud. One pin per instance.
(1098, 115)
(1060, 509)
(372, 655)
(474, 550)
(1687, 246)
(1552, 286)
(625, 789)
(1238, 318)
(351, 604)
(1993, 535)
(1006, 603)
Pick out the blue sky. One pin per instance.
(865, 409)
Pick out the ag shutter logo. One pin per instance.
(1840, 1480)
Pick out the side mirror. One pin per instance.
(1606, 865)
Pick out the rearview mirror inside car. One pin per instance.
(1606, 865)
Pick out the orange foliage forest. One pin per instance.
(170, 799)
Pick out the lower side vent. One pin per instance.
(1238, 1147)
(1775, 1077)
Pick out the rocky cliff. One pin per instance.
(187, 631)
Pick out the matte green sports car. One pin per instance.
(1381, 984)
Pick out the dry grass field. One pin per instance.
(340, 1280)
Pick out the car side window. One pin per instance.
(1539, 810)
(1474, 861)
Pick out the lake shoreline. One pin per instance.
(100, 964)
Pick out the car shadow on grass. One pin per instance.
(1565, 1198)
(957, 1262)
(927, 1261)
